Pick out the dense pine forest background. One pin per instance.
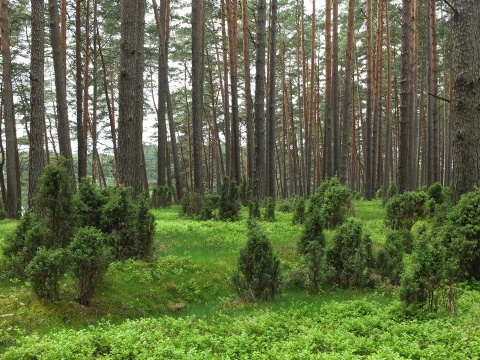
(283, 94)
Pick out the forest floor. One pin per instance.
(182, 305)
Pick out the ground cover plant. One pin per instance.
(182, 304)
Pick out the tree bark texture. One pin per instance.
(36, 161)
(466, 96)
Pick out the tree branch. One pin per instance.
(451, 7)
(440, 98)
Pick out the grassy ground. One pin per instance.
(183, 306)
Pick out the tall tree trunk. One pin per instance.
(248, 91)
(224, 88)
(13, 205)
(235, 129)
(388, 110)
(36, 161)
(259, 136)
(162, 96)
(198, 7)
(377, 109)
(131, 162)
(328, 152)
(270, 128)
(466, 96)
(311, 102)
(335, 91)
(61, 89)
(433, 159)
(368, 141)
(347, 93)
(405, 99)
(81, 145)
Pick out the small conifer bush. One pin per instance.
(257, 277)
(229, 206)
(254, 209)
(269, 209)
(390, 258)
(403, 210)
(89, 256)
(298, 210)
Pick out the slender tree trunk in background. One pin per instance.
(388, 110)
(466, 96)
(96, 166)
(225, 93)
(368, 141)
(300, 51)
(259, 136)
(86, 86)
(36, 161)
(270, 128)
(131, 162)
(81, 145)
(61, 89)
(198, 7)
(328, 170)
(311, 97)
(449, 130)
(162, 96)
(347, 94)
(235, 172)
(13, 200)
(414, 126)
(2, 158)
(335, 92)
(405, 101)
(377, 163)
(63, 29)
(433, 157)
(248, 91)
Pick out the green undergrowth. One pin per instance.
(182, 305)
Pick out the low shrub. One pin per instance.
(245, 191)
(404, 209)
(298, 210)
(269, 204)
(254, 209)
(229, 206)
(350, 258)
(161, 196)
(257, 277)
(89, 256)
(389, 262)
(45, 271)
(144, 229)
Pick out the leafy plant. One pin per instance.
(298, 210)
(350, 258)
(228, 205)
(254, 209)
(404, 209)
(89, 256)
(390, 258)
(45, 271)
(89, 201)
(269, 203)
(257, 276)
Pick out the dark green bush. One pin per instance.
(285, 206)
(269, 204)
(161, 196)
(229, 206)
(257, 277)
(192, 204)
(390, 258)
(311, 247)
(20, 248)
(245, 191)
(391, 192)
(54, 204)
(404, 209)
(210, 204)
(461, 235)
(89, 201)
(298, 210)
(350, 259)
(118, 221)
(254, 209)
(425, 282)
(333, 200)
(144, 229)
(89, 256)
(45, 271)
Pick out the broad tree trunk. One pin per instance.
(466, 96)
(13, 205)
(131, 161)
